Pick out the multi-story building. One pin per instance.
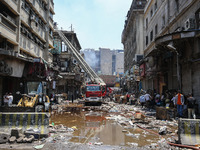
(132, 39)
(171, 47)
(70, 71)
(26, 33)
(118, 62)
(105, 61)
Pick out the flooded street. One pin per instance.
(102, 128)
(106, 127)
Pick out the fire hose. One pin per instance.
(170, 143)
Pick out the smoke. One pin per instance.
(91, 58)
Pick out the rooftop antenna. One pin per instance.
(71, 27)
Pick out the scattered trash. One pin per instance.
(124, 131)
(74, 127)
(98, 143)
(133, 144)
(163, 130)
(39, 146)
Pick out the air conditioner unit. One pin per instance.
(190, 24)
(32, 17)
(74, 61)
(138, 57)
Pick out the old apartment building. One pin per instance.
(26, 35)
(171, 46)
(70, 71)
(132, 39)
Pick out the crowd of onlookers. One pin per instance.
(184, 104)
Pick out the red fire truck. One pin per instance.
(94, 94)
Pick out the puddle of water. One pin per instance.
(93, 127)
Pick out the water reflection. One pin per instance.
(93, 127)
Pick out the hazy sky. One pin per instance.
(97, 23)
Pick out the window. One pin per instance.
(151, 12)
(177, 5)
(197, 17)
(163, 21)
(155, 6)
(146, 23)
(50, 32)
(156, 29)
(147, 40)
(93, 88)
(151, 35)
(51, 15)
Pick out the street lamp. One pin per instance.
(172, 48)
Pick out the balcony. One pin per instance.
(38, 30)
(30, 47)
(12, 3)
(25, 16)
(51, 23)
(38, 8)
(52, 6)
(8, 28)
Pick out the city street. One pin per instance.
(99, 74)
(110, 126)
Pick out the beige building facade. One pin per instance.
(132, 39)
(26, 35)
(170, 46)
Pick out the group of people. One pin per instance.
(170, 100)
(8, 99)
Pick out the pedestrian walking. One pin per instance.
(142, 100)
(127, 97)
(191, 102)
(179, 102)
(147, 97)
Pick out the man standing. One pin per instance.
(179, 102)
(5, 99)
(147, 99)
(10, 99)
(142, 100)
(191, 101)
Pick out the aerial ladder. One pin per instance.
(92, 75)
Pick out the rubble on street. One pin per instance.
(135, 123)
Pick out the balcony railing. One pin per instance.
(40, 10)
(25, 16)
(13, 4)
(7, 28)
(30, 47)
(38, 29)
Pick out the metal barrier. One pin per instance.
(33, 122)
(189, 131)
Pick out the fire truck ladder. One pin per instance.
(93, 76)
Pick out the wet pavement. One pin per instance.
(110, 126)
(93, 127)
